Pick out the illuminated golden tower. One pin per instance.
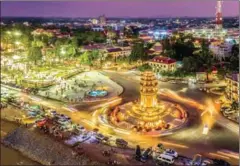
(147, 114)
(148, 90)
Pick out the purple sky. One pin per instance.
(119, 8)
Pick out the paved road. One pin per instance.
(219, 136)
(188, 138)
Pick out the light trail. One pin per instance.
(106, 104)
(122, 131)
(229, 154)
(219, 156)
(176, 145)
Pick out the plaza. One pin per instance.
(77, 88)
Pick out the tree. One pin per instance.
(138, 52)
(206, 58)
(84, 58)
(144, 67)
(235, 50)
(178, 46)
(88, 58)
(222, 71)
(234, 63)
(190, 64)
(234, 105)
(234, 59)
(35, 54)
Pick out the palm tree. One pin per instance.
(35, 54)
(206, 58)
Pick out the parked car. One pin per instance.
(146, 154)
(206, 162)
(171, 152)
(106, 153)
(100, 137)
(165, 159)
(52, 113)
(220, 162)
(121, 143)
(81, 128)
(197, 160)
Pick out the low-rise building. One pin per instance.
(232, 89)
(221, 50)
(93, 47)
(119, 52)
(157, 48)
(51, 32)
(160, 64)
(202, 74)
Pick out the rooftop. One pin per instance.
(114, 49)
(234, 76)
(161, 59)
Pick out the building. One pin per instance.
(98, 28)
(51, 32)
(160, 64)
(118, 52)
(202, 75)
(146, 38)
(157, 48)
(93, 47)
(221, 50)
(94, 21)
(232, 89)
(102, 20)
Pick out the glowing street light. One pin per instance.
(63, 52)
(205, 129)
(17, 42)
(16, 33)
(16, 57)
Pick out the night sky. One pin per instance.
(136, 8)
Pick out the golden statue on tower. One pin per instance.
(148, 114)
(148, 90)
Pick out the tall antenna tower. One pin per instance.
(219, 19)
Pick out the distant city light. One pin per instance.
(156, 33)
(16, 57)
(228, 39)
(164, 33)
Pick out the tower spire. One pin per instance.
(219, 19)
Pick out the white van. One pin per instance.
(166, 158)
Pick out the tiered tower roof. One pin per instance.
(148, 83)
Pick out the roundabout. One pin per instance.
(146, 116)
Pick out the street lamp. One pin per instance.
(16, 33)
(63, 52)
(17, 42)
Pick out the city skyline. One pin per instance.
(116, 9)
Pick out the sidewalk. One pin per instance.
(9, 87)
